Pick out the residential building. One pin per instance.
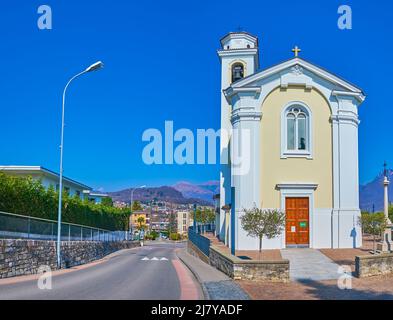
(184, 220)
(134, 220)
(50, 178)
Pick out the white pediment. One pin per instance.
(295, 72)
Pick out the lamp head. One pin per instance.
(95, 66)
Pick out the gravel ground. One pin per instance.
(225, 290)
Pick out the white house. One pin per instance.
(293, 145)
(50, 178)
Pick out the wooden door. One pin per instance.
(297, 228)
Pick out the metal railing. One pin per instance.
(208, 227)
(200, 241)
(16, 226)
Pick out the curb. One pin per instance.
(204, 290)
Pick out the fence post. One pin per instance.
(91, 234)
(28, 228)
(69, 233)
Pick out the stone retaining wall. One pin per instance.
(372, 265)
(193, 250)
(21, 257)
(236, 268)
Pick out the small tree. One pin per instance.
(373, 224)
(205, 216)
(107, 202)
(141, 222)
(172, 223)
(136, 206)
(261, 223)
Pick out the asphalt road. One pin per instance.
(122, 275)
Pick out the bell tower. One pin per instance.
(239, 56)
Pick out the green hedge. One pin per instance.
(26, 196)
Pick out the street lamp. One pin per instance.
(93, 67)
(132, 197)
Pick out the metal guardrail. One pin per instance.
(16, 226)
(200, 241)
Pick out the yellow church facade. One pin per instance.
(291, 144)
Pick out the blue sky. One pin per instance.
(161, 64)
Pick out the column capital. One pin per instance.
(245, 114)
(345, 118)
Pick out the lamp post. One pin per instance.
(132, 201)
(93, 67)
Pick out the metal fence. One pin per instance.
(201, 242)
(15, 226)
(209, 227)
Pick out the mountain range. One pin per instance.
(183, 192)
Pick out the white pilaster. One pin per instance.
(346, 232)
(245, 163)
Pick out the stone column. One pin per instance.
(386, 199)
(386, 244)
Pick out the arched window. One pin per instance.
(237, 72)
(297, 128)
(296, 131)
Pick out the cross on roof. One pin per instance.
(296, 50)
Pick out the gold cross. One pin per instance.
(296, 50)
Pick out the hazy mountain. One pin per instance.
(163, 193)
(204, 191)
(372, 193)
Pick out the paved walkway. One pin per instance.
(310, 264)
(215, 284)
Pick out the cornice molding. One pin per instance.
(293, 186)
(242, 115)
(345, 118)
(236, 52)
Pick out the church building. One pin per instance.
(291, 144)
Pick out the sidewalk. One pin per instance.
(215, 284)
(310, 264)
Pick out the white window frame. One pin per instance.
(285, 153)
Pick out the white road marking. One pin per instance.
(154, 259)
